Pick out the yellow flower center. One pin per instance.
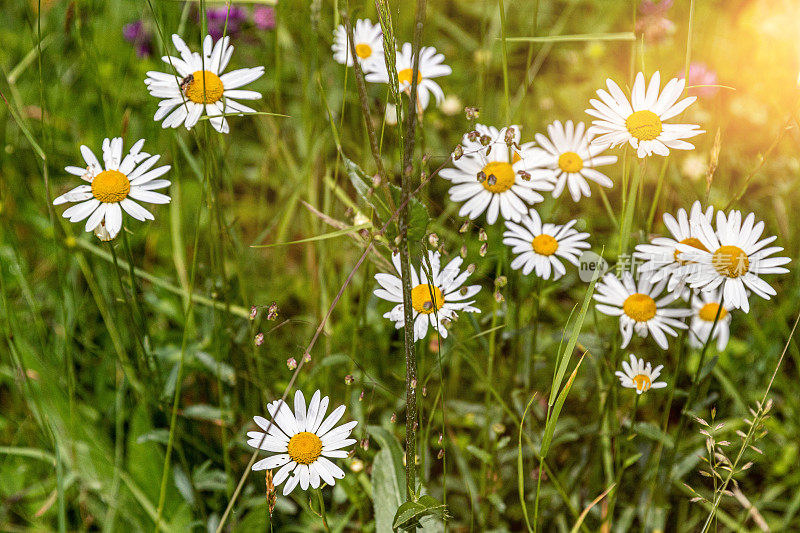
(305, 448)
(644, 125)
(642, 382)
(730, 261)
(499, 177)
(421, 299)
(694, 243)
(709, 312)
(639, 307)
(203, 87)
(111, 186)
(544, 244)
(405, 76)
(570, 162)
(364, 50)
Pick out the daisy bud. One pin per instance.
(433, 239)
(259, 340)
(291, 363)
(502, 281)
(481, 176)
(482, 235)
(458, 152)
(471, 268)
(484, 249)
(463, 252)
(253, 312)
(440, 454)
(357, 465)
(393, 419)
(464, 227)
(348, 379)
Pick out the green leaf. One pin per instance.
(388, 478)
(409, 514)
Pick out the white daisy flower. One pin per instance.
(661, 256)
(641, 122)
(446, 286)
(572, 160)
(114, 187)
(497, 178)
(304, 442)
(705, 306)
(639, 307)
(201, 86)
(734, 257)
(540, 245)
(368, 39)
(430, 66)
(640, 376)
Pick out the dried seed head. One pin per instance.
(510, 136)
(253, 312)
(458, 152)
(440, 454)
(464, 227)
(259, 340)
(393, 419)
(272, 312)
(498, 297)
(491, 180)
(348, 379)
(473, 135)
(484, 249)
(307, 358)
(481, 176)
(361, 396)
(471, 268)
(463, 290)
(463, 252)
(376, 180)
(500, 282)
(424, 391)
(291, 363)
(524, 175)
(486, 140)
(472, 113)
(482, 235)
(433, 240)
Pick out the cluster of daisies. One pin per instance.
(302, 442)
(710, 269)
(369, 52)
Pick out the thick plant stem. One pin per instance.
(405, 263)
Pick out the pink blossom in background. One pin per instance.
(217, 16)
(700, 74)
(264, 17)
(652, 22)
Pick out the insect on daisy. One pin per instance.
(498, 178)
(303, 441)
(734, 257)
(705, 307)
(114, 187)
(435, 302)
(642, 120)
(572, 160)
(661, 258)
(639, 307)
(430, 66)
(201, 86)
(541, 245)
(368, 40)
(640, 375)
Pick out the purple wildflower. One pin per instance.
(264, 17)
(136, 34)
(701, 74)
(217, 16)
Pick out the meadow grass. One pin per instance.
(131, 370)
